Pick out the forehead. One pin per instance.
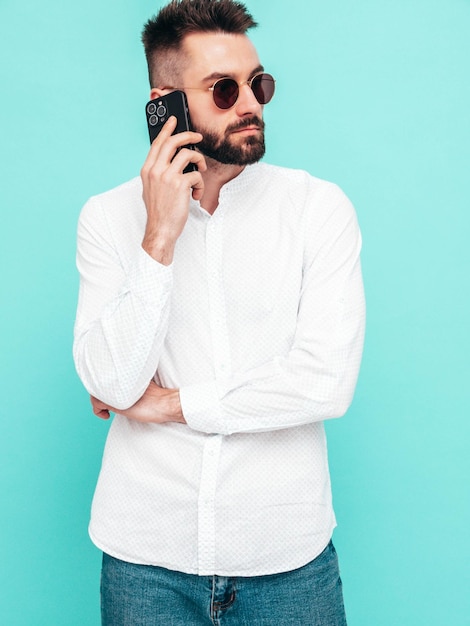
(224, 54)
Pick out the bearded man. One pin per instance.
(221, 318)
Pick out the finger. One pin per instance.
(174, 145)
(186, 156)
(94, 402)
(195, 182)
(167, 143)
(99, 408)
(166, 132)
(101, 412)
(197, 190)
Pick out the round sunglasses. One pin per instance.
(225, 91)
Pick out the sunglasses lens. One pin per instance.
(226, 90)
(225, 93)
(263, 87)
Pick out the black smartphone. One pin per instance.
(160, 109)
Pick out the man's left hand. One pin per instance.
(158, 405)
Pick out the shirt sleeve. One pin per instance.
(316, 379)
(122, 313)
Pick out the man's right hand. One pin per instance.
(166, 190)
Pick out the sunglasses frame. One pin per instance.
(248, 82)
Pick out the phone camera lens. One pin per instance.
(153, 120)
(151, 108)
(161, 111)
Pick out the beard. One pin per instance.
(223, 150)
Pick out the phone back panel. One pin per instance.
(160, 109)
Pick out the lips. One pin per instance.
(252, 129)
(252, 125)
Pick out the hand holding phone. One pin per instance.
(160, 109)
(169, 177)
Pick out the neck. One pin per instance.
(215, 177)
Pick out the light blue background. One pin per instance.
(372, 94)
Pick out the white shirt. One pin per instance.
(259, 322)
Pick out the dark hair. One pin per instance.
(163, 34)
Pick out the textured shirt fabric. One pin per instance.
(259, 321)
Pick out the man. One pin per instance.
(221, 318)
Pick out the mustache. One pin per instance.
(252, 121)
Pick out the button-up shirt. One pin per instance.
(259, 323)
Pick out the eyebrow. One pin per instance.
(216, 75)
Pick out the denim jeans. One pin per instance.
(144, 595)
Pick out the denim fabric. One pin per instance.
(142, 595)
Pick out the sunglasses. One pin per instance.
(225, 91)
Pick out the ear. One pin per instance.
(157, 93)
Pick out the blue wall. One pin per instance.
(372, 94)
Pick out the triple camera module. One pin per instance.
(156, 113)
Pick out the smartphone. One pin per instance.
(160, 109)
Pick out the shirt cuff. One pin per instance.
(201, 408)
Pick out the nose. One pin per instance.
(247, 104)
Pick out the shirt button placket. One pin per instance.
(220, 347)
(206, 505)
(217, 313)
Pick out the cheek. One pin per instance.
(208, 127)
(205, 115)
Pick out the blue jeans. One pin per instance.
(144, 595)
